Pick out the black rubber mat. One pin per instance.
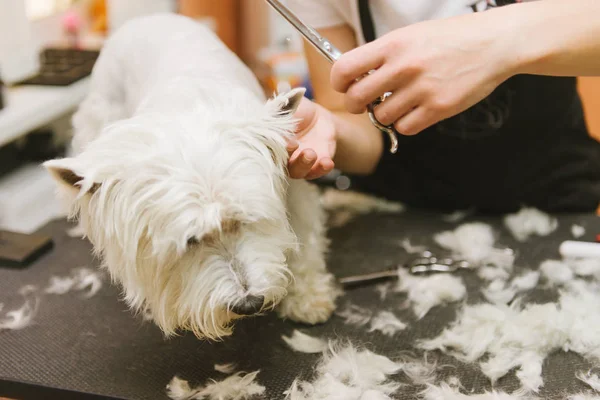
(96, 346)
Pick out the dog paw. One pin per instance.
(310, 301)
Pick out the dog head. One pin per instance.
(187, 210)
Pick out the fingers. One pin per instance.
(300, 165)
(305, 165)
(395, 107)
(354, 64)
(415, 121)
(292, 145)
(369, 89)
(323, 167)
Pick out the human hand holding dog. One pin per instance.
(314, 146)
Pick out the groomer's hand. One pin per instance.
(435, 69)
(311, 154)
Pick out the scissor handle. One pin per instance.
(389, 130)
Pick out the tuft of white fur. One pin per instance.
(179, 181)
(556, 272)
(424, 293)
(348, 373)
(583, 396)
(448, 392)
(355, 315)
(27, 289)
(387, 323)
(521, 337)
(80, 279)
(577, 231)
(410, 249)
(528, 222)
(498, 291)
(474, 242)
(239, 386)
(585, 266)
(304, 343)
(592, 380)
(20, 318)
(345, 205)
(383, 289)
(225, 368)
(420, 372)
(179, 389)
(456, 216)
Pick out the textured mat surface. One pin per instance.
(96, 346)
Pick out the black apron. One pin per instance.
(526, 144)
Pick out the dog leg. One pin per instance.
(313, 292)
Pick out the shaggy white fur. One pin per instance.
(577, 231)
(410, 249)
(355, 315)
(528, 222)
(225, 368)
(28, 289)
(20, 318)
(348, 373)
(424, 293)
(474, 242)
(239, 386)
(383, 289)
(344, 206)
(80, 279)
(447, 392)
(498, 291)
(179, 181)
(387, 323)
(556, 272)
(592, 380)
(521, 337)
(584, 396)
(304, 343)
(456, 216)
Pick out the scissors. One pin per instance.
(424, 264)
(331, 53)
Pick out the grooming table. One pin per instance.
(94, 348)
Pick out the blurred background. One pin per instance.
(47, 51)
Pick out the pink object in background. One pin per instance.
(72, 26)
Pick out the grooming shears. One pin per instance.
(331, 53)
(426, 263)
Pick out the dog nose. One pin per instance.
(250, 305)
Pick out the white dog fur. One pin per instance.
(179, 180)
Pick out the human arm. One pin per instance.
(437, 69)
(327, 133)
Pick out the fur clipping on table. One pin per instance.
(387, 323)
(348, 373)
(447, 392)
(239, 386)
(523, 336)
(528, 222)
(424, 293)
(475, 243)
(303, 343)
(20, 318)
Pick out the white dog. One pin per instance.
(179, 181)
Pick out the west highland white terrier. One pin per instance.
(179, 180)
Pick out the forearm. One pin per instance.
(359, 143)
(555, 37)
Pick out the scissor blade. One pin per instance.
(320, 43)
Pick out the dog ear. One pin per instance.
(67, 173)
(288, 101)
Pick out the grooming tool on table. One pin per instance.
(331, 53)
(18, 250)
(426, 263)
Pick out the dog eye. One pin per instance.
(193, 241)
